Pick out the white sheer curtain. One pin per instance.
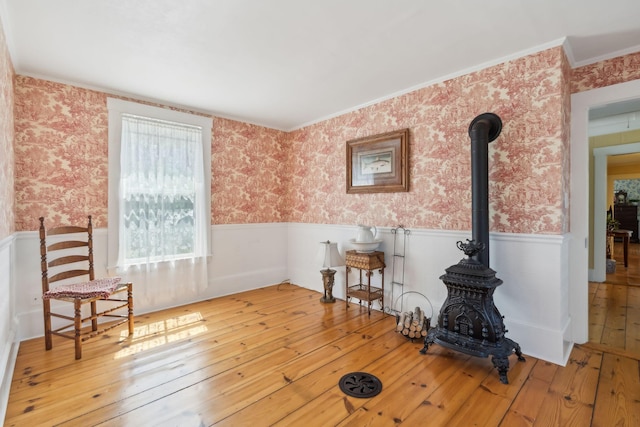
(163, 213)
(161, 192)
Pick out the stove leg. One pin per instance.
(502, 365)
(425, 348)
(428, 340)
(519, 352)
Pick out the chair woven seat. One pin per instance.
(99, 288)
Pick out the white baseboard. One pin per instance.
(535, 341)
(8, 363)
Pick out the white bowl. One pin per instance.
(365, 247)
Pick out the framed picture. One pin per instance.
(379, 163)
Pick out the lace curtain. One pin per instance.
(159, 202)
(162, 202)
(161, 187)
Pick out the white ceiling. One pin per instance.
(287, 63)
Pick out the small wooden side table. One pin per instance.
(626, 236)
(368, 262)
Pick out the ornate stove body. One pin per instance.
(469, 321)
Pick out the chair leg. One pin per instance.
(77, 322)
(130, 306)
(46, 308)
(94, 317)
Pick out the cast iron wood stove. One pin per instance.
(469, 321)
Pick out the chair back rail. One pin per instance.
(66, 245)
(66, 229)
(69, 274)
(70, 259)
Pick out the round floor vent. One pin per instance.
(360, 384)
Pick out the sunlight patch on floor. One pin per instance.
(155, 334)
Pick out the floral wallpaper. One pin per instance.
(7, 198)
(248, 166)
(61, 154)
(606, 73)
(631, 186)
(62, 162)
(526, 161)
(265, 175)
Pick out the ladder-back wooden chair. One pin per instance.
(73, 252)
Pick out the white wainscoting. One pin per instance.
(8, 322)
(533, 297)
(244, 257)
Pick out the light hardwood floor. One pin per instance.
(614, 306)
(274, 356)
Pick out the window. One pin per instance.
(159, 184)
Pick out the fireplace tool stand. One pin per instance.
(469, 321)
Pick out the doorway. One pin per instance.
(581, 103)
(601, 204)
(614, 303)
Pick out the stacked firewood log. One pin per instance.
(413, 324)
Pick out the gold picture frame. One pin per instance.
(379, 163)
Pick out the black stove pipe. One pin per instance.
(483, 129)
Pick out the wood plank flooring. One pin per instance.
(614, 306)
(274, 356)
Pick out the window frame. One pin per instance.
(117, 107)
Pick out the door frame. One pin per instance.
(581, 103)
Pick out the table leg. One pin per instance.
(346, 286)
(360, 283)
(382, 287)
(369, 292)
(626, 249)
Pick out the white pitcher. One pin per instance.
(365, 235)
